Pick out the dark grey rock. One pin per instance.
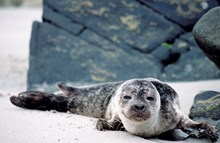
(126, 23)
(60, 56)
(174, 51)
(184, 61)
(174, 135)
(185, 13)
(188, 37)
(192, 64)
(98, 41)
(162, 52)
(207, 34)
(61, 21)
(180, 47)
(206, 107)
(205, 95)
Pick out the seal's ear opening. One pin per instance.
(166, 92)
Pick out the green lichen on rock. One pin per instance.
(209, 108)
(166, 45)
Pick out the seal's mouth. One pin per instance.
(142, 117)
(137, 116)
(139, 119)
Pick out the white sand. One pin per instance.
(19, 125)
(15, 31)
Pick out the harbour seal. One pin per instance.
(143, 107)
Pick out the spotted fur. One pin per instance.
(143, 107)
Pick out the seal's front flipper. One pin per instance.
(204, 129)
(198, 130)
(40, 101)
(115, 125)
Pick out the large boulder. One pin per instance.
(206, 107)
(207, 34)
(126, 23)
(59, 56)
(98, 41)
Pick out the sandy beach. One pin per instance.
(20, 125)
(15, 27)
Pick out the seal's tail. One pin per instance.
(40, 101)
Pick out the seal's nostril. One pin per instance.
(139, 107)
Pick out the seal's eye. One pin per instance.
(150, 98)
(127, 97)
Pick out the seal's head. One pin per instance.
(138, 100)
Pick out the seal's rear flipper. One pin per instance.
(40, 101)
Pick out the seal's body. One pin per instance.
(89, 101)
(143, 107)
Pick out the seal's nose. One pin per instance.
(139, 107)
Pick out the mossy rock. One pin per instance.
(207, 107)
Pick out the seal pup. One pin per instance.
(143, 107)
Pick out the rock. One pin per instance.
(183, 60)
(162, 52)
(189, 68)
(60, 56)
(99, 41)
(126, 23)
(206, 107)
(61, 21)
(205, 95)
(207, 34)
(185, 13)
(170, 53)
(189, 65)
(174, 135)
(180, 47)
(188, 37)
